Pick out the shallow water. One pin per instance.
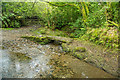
(31, 60)
(12, 66)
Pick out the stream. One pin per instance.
(14, 66)
(22, 58)
(43, 61)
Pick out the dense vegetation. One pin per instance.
(94, 21)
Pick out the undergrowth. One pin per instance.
(107, 36)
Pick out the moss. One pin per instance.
(80, 56)
(78, 52)
(46, 40)
(48, 31)
(65, 47)
(21, 56)
(40, 40)
(69, 48)
(80, 49)
(2, 47)
(43, 31)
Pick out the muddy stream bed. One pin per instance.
(22, 58)
(25, 59)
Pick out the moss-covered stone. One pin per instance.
(40, 40)
(65, 47)
(80, 49)
(69, 48)
(2, 47)
(46, 40)
(78, 52)
(21, 56)
(79, 55)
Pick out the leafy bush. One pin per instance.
(96, 19)
(15, 13)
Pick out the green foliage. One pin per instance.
(78, 33)
(61, 16)
(78, 28)
(104, 36)
(96, 19)
(78, 16)
(9, 13)
(14, 13)
(113, 12)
